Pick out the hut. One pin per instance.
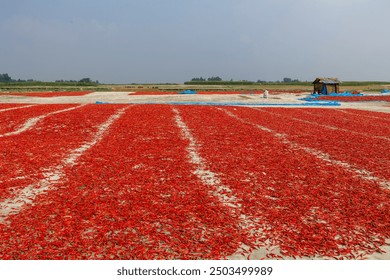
(326, 85)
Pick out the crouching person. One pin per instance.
(265, 95)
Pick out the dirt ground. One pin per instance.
(225, 99)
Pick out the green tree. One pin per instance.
(5, 78)
(214, 79)
(86, 80)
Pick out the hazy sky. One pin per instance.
(125, 41)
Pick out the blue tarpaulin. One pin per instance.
(188, 91)
(314, 103)
(314, 96)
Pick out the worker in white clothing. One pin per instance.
(265, 94)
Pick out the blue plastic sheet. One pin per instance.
(188, 91)
(314, 96)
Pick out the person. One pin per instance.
(265, 94)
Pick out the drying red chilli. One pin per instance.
(25, 156)
(9, 106)
(132, 196)
(347, 120)
(362, 149)
(196, 182)
(356, 98)
(306, 206)
(368, 114)
(13, 120)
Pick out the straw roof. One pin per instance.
(329, 81)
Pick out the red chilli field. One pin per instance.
(385, 98)
(192, 182)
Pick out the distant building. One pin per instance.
(326, 85)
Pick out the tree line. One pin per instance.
(6, 78)
(218, 80)
(211, 79)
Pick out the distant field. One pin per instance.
(48, 94)
(46, 87)
(302, 86)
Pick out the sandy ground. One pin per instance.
(247, 99)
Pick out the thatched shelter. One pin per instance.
(326, 85)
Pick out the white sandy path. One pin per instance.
(26, 196)
(30, 123)
(16, 108)
(222, 192)
(207, 177)
(330, 127)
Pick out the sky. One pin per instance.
(172, 41)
